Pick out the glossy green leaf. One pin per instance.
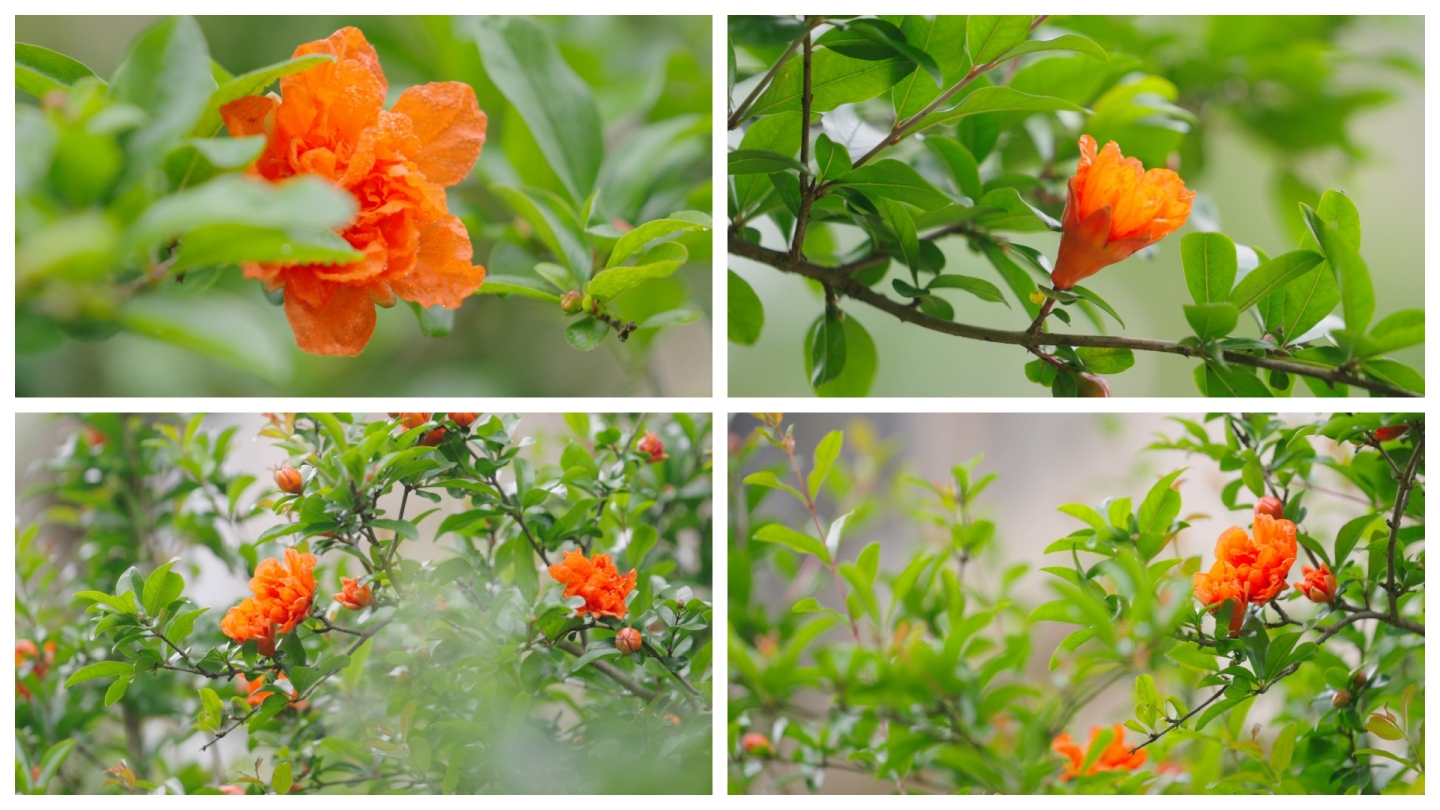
(1357, 294)
(943, 37)
(586, 333)
(657, 262)
(101, 669)
(893, 180)
(784, 535)
(1234, 381)
(964, 169)
(760, 161)
(1064, 42)
(861, 360)
(655, 229)
(1210, 265)
(988, 37)
(831, 159)
(1211, 321)
(897, 218)
(978, 287)
(1000, 99)
(835, 79)
(518, 285)
(745, 312)
(1105, 361)
(774, 133)
(39, 70)
(1271, 276)
(553, 226)
(827, 349)
(826, 451)
(557, 105)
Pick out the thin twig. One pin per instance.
(842, 283)
(1402, 499)
(739, 115)
(604, 667)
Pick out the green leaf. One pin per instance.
(657, 262)
(762, 161)
(835, 79)
(227, 244)
(765, 478)
(1398, 331)
(671, 317)
(897, 218)
(893, 180)
(888, 35)
(1211, 321)
(1271, 276)
(301, 204)
(252, 83)
(1383, 728)
(962, 165)
(1000, 99)
(586, 333)
(1015, 277)
(1105, 361)
(182, 625)
(827, 349)
(556, 104)
(1210, 265)
(642, 539)
(356, 668)
(1014, 214)
(775, 133)
(434, 322)
(825, 454)
(832, 159)
(784, 535)
(1395, 373)
(117, 691)
(943, 37)
(553, 226)
(745, 312)
(101, 669)
(988, 37)
(1357, 295)
(280, 780)
(39, 70)
(1234, 381)
(1087, 294)
(1064, 42)
(165, 71)
(1161, 505)
(517, 285)
(860, 361)
(229, 153)
(635, 239)
(54, 757)
(215, 327)
(978, 287)
(161, 588)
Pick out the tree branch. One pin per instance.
(840, 281)
(604, 667)
(1404, 485)
(739, 115)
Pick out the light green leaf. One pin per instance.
(1210, 265)
(658, 262)
(586, 333)
(893, 180)
(988, 37)
(825, 454)
(745, 313)
(635, 239)
(39, 70)
(553, 226)
(165, 71)
(216, 327)
(1000, 99)
(517, 285)
(1064, 42)
(1211, 321)
(101, 669)
(783, 535)
(835, 79)
(1270, 276)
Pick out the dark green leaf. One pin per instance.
(586, 333)
(761, 161)
(860, 361)
(827, 349)
(978, 287)
(1210, 265)
(988, 37)
(835, 79)
(891, 179)
(745, 312)
(897, 218)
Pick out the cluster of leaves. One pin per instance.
(930, 691)
(132, 208)
(468, 672)
(996, 104)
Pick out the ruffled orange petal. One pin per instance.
(246, 116)
(443, 274)
(450, 127)
(340, 325)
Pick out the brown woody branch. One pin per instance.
(838, 279)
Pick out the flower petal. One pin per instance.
(450, 126)
(246, 116)
(443, 274)
(341, 325)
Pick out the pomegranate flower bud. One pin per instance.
(1318, 585)
(756, 744)
(1341, 699)
(434, 437)
(1270, 505)
(463, 419)
(627, 640)
(288, 479)
(1091, 385)
(1386, 434)
(571, 301)
(653, 447)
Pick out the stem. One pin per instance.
(807, 186)
(836, 277)
(1402, 499)
(1174, 724)
(815, 516)
(644, 693)
(739, 114)
(658, 657)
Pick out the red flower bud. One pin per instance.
(463, 419)
(1270, 505)
(1341, 699)
(756, 744)
(434, 437)
(288, 479)
(627, 640)
(94, 437)
(353, 595)
(652, 447)
(1318, 584)
(1361, 678)
(571, 301)
(1091, 385)
(1386, 434)
(413, 420)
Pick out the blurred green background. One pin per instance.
(1367, 144)
(641, 70)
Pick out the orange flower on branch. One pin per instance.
(27, 653)
(1318, 584)
(756, 744)
(1115, 757)
(255, 697)
(352, 594)
(1114, 208)
(283, 595)
(330, 121)
(653, 447)
(1250, 572)
(597, 581)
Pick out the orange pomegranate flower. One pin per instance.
(1250, 572)
(597, 581)
(1114, 208)
(330, 121)
(352, 594)
(254, 697)
(1318, 584)
(27, 653)
(283, 594)
(1115, 757)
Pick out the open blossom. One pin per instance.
(1250, 572)
(352, 594)
(1318, 584)
(330, 122)
(1115, 757)
(283, 594)
(1114, 208)
(255, 697)
(597, 581)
